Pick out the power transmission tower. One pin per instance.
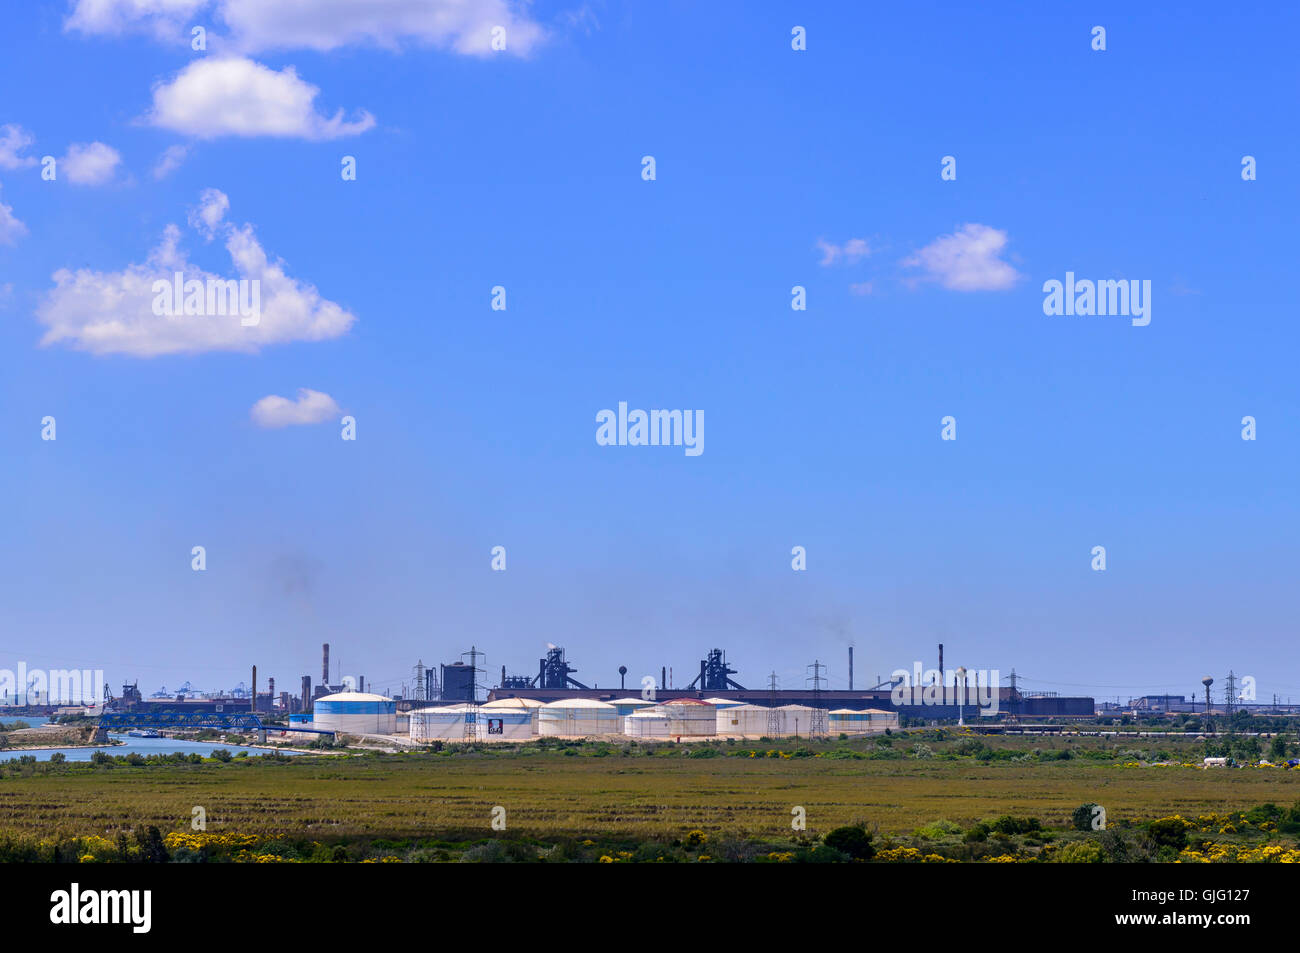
(419, 694)
(1229, 693)
(773, 714)
(818, 727)
(471, 732)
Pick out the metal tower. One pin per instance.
(818, 727)
(471, 707)
(419, 694)
(773, 714)
(1229, 694)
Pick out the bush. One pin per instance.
(1169, 832)
(853, 842)
(1015, 825)
(978, 833)
(1081, 819)
(1080, 852)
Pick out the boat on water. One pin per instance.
(142, 733)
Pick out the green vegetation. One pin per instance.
(924, 795)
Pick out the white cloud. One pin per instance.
(464, 26)
(238, 97)
(13, 140)
(10, 228)
(211, 210)
(165, 19)
(311, 407)
(113, 313)
(170, 161)
(967, 260)
(861, 288)
(854, 250)
(90, 163)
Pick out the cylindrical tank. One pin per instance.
(578, 718)
(357, 713)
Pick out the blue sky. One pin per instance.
(475, 428)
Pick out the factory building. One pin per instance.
(578, 718)
(357, 713)
(458, 682)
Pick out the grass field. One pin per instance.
(625, 792)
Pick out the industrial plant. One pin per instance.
(453, 702)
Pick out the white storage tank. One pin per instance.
(689, 718)
(511, 719)
(749, 721)
(444, 723)
(357, 713)
(799, 720)
(626, 706)
(578, 718)
(724, 702)
(851, 722)
(647, 723)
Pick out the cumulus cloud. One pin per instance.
(216, 97)
(89, 163)
(854, 250)
(13, 140)
(464, 26)
(113, 312)
(311, 407)
(170, 161)
(10, 228)
(211, 210)
(967, 260)
(165, 19)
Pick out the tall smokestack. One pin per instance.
(325, 664)
(940, 663)
(663, 677)
(361, 683)
(253, 706)
(850, 668)
(306, 693)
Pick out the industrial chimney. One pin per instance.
(941, 663)
(306, 693)
(252, 707)
(325, 665)
(850, 668)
